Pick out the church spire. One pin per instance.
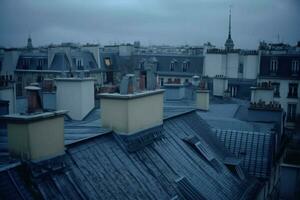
(29, 42)
(229, 45)
(229, 33)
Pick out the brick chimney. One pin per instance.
(128, 112)
(33, 99)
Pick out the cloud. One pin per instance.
(155, 21)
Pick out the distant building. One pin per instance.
(42, 65)
(280, 66)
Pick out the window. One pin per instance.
(293, 90)
(162, 82)
(291, 112)
(19, 79)
(39, 79)
(40, 63)
(173, 64)
(274, 65)
(233, 90)
(142, 65)
(185, 66)
(295, 66)
(107, 61)
(241, 68)
(79, 64)
(276, 87)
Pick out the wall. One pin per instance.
(265, 95)
(213, 64)
(219, 86)
(250, 66)
(232, 65)
(132, 114)
(8, 94)
(75, 95)
(289, 181)
(174, 92)
(36, 139)
(283, 90)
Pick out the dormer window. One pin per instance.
(185, 66)
(107, 61)
(40, 64)
(295, 66)
(172, 65)
(79, 64)
(274, 65)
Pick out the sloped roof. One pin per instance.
(255, 149)
(100, 168)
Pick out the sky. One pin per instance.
(171, 22)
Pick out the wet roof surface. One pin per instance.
(100, 168)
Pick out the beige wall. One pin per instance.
(132, 114)
(202, 99)
(36, 139)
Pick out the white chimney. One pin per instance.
(75, 95)
(220, 85)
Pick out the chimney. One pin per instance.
(202, 96)
(220, 85)
(128, 84)
(263, 92)
(128, 113)
(34, 102)
(76, 95)
(35, 135)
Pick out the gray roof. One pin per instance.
(60, 62)
(255, 150)
(169, 167)
(195, 63)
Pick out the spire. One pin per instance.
(229, 42)
(229, 33)
(29, 42)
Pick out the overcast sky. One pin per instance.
(172, 22)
